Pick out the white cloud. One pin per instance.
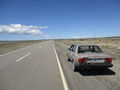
(21, 29)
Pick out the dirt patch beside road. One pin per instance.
(8, 46)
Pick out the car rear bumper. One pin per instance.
(95, 65)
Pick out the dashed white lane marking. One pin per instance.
(23, 57)
(61, 72)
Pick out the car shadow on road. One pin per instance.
(96, 72)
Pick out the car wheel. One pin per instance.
(74, 67)
(68, 59)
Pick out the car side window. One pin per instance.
(71, 47)
(74, 49)
(97, 49)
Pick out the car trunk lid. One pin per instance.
(94, 55)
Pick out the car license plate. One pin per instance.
(95, 61)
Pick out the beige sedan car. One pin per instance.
(88, 56)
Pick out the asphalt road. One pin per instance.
(44, 67)
(32, 68)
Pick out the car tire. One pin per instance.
(75, 69)
(68, 59)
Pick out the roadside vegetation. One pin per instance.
(7, 46)
(110, 45)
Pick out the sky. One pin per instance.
(56, 19)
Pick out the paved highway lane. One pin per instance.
(32, 68)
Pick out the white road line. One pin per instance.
(23, 57)
(61, 72)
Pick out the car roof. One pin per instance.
(85, 44)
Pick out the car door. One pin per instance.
(70, 51)
(73, 52)
(73, 56)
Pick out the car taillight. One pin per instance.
(108, 59)
(81, 60)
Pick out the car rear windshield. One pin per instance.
(89, 49)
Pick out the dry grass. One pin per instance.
(109, 45)
(7, 46)
(103, 42)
